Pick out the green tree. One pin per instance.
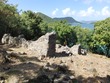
(101, 37)
(44, 28)
(9, 18)
(83, 36)
(31, 22)
(65, 33)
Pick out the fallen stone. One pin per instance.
(76, 49)
(5, 38)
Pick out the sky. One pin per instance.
(81, 10)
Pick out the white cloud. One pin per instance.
(97, 13)
(73, 12)
(105, 11)
(55, 11)
(68, 12)
(90, 11)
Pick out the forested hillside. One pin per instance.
(68, 19)
(45, 17)
(33, 25)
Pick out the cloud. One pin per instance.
(105, 11)
(68, 12)
(90, 12)
(55, 11)
(87, 12)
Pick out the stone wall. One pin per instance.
(14, 41)
(45, 45)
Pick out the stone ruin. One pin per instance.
(14, 41)
(76, 49)
(44, 46)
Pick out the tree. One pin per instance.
(65, 33)
(101, 37)
(31, 22)
(9, 18)
(83, 36)
(44, 28)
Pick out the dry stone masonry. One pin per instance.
(45, 45)
(14, 41)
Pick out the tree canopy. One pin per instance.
(101, 36)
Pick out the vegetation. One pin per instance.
(45, 17)
(101, 37)
(68, 19)
(33, 25)
(65, 33)
(49, 19)
(9, 18)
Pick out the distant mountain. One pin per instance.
(68, 19)
(45, 17)
(49, 19)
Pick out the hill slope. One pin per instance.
(49, 19)
(45, 17)
(68, 19)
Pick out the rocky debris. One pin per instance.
(62, 79)
(23, 43)
(41, 57)
(76, 49)
(62, 50)
(5, 38)
(83, 51)
(13, 79)
(3, 57)
(14, 41)
(65, 50)
(45, 45)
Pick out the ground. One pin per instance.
(90, 68)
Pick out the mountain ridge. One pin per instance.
(68, 19)
(48, 19)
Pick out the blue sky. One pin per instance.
(87, 10)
